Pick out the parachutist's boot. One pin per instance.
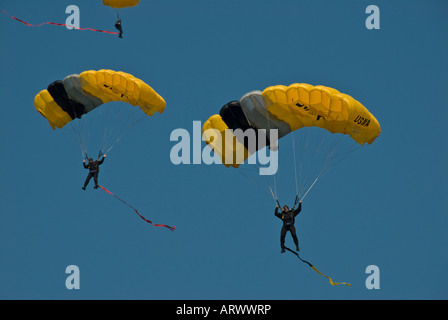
(297, 248)
(83, 188)
(283, 250)
(95, 187)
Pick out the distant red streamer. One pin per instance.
(57, 24)
(155, 225)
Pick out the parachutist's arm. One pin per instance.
(277, 214)
(102, 160)
(84, 164)
(299, 208)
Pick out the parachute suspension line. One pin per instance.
(313, 155)
(114, 129)
(136, 211)
(314, 182)
(241, 171)
(295, 163)
(117, 12)
(304, 142)
(336, 151)
(74, 132)
(271, 192)
(132, 123)
(315, 269)
(77, 143)
(273, 195)
(82, 142)
(345, 153)
(278, 168)
(310, 153)
(84, 129)
(78, 129)
(301, 164)
(275, 185)
(268, 136)
(117, 140)
(106, 126)
(100, 153)
(112, 117)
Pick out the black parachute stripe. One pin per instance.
(233, 116)
(60, 96)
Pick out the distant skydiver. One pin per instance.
(119, 28)
(288, 217)
(94, 170)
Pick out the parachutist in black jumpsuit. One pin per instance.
(288, 217)
(119, 28)
(94, 169)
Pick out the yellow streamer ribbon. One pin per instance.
(315, 269)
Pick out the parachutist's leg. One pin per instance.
(95, 178)
(294, 237)
(282, 238)
(89, 176)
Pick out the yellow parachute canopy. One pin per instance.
(76, 95)
(118, 4)
(288, 109)
(303, 105)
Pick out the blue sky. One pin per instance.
(384, 205)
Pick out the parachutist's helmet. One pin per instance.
(285, 208)
(90, 160)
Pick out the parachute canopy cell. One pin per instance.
(76, 95)
(288, 108)
(118, 4)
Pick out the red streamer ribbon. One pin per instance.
(57, 24)
(136, 211)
